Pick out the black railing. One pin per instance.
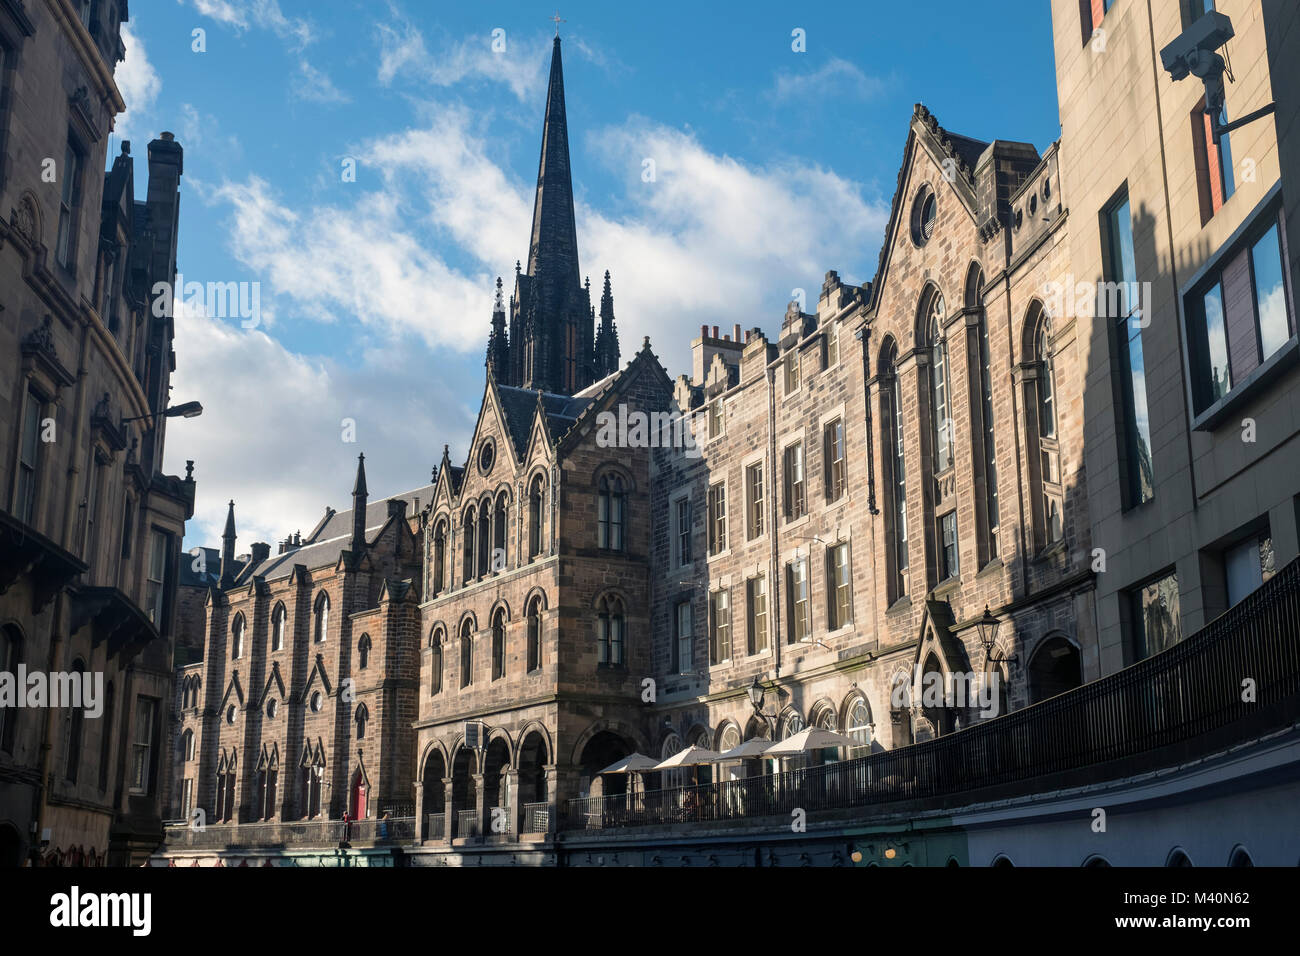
(1244, 665)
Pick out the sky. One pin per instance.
(365, 170)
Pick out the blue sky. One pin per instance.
(772, 166)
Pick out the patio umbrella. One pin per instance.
(813, 738)
(751, 749)
(633, 763)
(692, 756)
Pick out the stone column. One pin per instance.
(510, 783)
(479, 797)
(449, 811)
(418, 787)
(553, 794)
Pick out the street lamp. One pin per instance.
(987, 627)
(186, 410)
(756, 694)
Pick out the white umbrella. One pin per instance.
(633, 763)
(692, 756)
(751, 749)
(814, 738)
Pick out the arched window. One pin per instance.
(484, 538)
(671, 779)
(362, 716)
(466, 653)
(892, 440)
(1049, 447)
(982, 425)
(609, 513)
(534, 633)
(187, 746)
(499, 644)
(609, 632)
(858, 727)
(363, 652)
(436, 640)
(278, 620)
(940, 396)
(237, 638)
(322, 624)
(500, 527)
(11, 648)
(535, 517)
(471, 524)
(439, 558)
(76, 726)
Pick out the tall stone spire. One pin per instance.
(359, 495)
(498, 349)
(554, 242)
(607, 353)
(228, 548)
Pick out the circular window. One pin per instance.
(924, 211)
(1033, 205)
(1020, 218)
(272, 706)
(1047, 189)
(317, 701)
(487, 455)
(230, 714)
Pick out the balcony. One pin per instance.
(1179, 705)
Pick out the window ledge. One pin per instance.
(950, 585)
(1281, 360)
(899, 607)
(993, 567)
(721, 554)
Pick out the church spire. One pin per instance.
(554, 241)
(498, 349)
(607, 353)
(228, 549)
(359, 495)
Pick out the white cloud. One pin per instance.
(357, 262)
(139, 85)
(264, 14)
(270, 436)
(522, 65)
(835, 78)
(315, 86)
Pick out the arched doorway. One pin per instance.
(11, 846)
(934, 698)
(533, 794)
(496, 789)
(433, 792)
(464, 793)
(603, 749)
(1053, 669)
(357, 796)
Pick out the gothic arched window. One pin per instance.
(609, 513)
(435, 661)
(466, 653)
(470, 524)
(278, 621)
(363, 652)
(535, 633)
(484, 538)
(892, 439)
(940, 396)
(535, 517)
(499, 530)
(609, 632)
(1051, 494)
(237, 638)
(439, 558)
(322, 627)
(499, 644)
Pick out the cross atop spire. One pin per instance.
(558, 21)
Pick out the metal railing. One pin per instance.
(468, 824)
(1177, 697)
(537, 818)
(435, 827)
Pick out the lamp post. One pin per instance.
(987, 626)
(186, 410)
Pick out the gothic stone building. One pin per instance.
(90, 527)
(302, 703)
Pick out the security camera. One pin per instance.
(1194, 51)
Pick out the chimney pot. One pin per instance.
(704, 331)
(715, 331)
(735, 330)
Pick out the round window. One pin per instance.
(230, 714)
(924, 213)
(486, 457)
(272, 706)
(317, 701)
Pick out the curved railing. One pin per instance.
(1242, 668)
